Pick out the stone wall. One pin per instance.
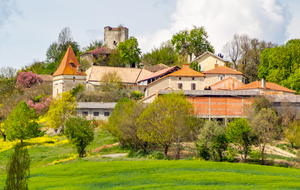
(113, 36)
(64, 83)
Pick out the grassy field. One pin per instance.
(154, 174)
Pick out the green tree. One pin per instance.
(165, 54)
(122, 123)
(238, 133)
(194, 41)
(130, 52)
(60, 110)
(212, 140)
(264, 126)
(292, 133)
(22, 123)
(281, 65)
(166, 121)
(80, 133)
(18, 169)
(94, 44)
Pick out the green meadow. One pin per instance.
(163, 174)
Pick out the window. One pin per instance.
(179, 85)
(221, 77)
(106, 114)
(73, 77)
(96, 113)
(85, 113)
(193, 78)
(193, 86)
(179, 78)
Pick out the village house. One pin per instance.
(208, 61)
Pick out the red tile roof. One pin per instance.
(160, 73)
(227, 84)
(69, 64)
(269, 86)
(223, 70)
(186, 71)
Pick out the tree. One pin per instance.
(80, 133)
(166, 121)
(292, 133)
(130, 52)
(212, 140)
(238, 133)
(60, 109)
(264, 125)
(281, 65)
(94, 44)
(122, 123)
(165, 54)
(194, 41)
(244, 54)
(22, 123)
(27, 79)
(18, 169)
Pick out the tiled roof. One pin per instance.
(223, 70)
(186, 71)
(46, 78)
(226, 84)
(128, 75)
(96, 105)
(160, 73)
(209, 53)
(269, 86)
(69, 64)
(157, 67)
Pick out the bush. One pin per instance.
(256, 155)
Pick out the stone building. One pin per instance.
(208, 61)
(68, 75)
(113, 36)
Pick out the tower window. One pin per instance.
(73, 77)
(193, 86)
(179, 85)
(179, 78)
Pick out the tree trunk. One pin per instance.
(178, 151)
(4, 137)
(262, 154)
(166, 150)
(292, 144)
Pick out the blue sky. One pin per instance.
(27, 28)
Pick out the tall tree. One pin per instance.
(244, 54)
(60, 110)
(166, 121)
(22, 123)
(130, 52)
(80, 133)
(94, 44)
(165, 54)
(194, 41)
(18, 169)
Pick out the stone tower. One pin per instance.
(69, 74)
(113, 36)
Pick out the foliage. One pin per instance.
(18, 169)
(136, 95)
(22, 123)
(130, 52)
(194, 41)
(166, 120)
(41, 105)
(110, 81)
(238, 133)
(61, 108)
(212, 141)
(94, 44)
(264, 126)
(115, 59)
(121, 123)
(165, 54)
(77, 89)
(244, 54)
(292, 133)
(7, 82)
(281, 65)
(80, 133)
(27, 79)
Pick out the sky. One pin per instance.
(28, 28)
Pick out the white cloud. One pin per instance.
(263, 19)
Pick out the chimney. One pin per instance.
(185, 65)
(263, 83)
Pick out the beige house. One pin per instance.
(208, 61)
(220, 73)
(183, 79)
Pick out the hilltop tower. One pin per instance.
(69, 74)
(113, 36)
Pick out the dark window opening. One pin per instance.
(73, 77)
(96, 113)
(106, 114)
(193, 86)
(179, 85)
(85, 113)
(72, 64)
(179, 78)
(193, 78)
